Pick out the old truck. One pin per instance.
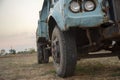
(68, 30)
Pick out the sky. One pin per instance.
(18, 23)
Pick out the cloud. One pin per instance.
(18, 41)
(1, 1)
(18, 22)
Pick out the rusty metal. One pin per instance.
(116, 6)
(111, 33)
(101, 26)
(99, 55)
(89, 37)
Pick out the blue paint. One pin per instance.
(85, 19)
(65, 18)
(42, 30)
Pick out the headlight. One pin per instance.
(89, 5)
(75, 6)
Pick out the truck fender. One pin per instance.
(55, 19)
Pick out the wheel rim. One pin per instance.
(56, 51)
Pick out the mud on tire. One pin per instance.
(63, 52)
(42, 54)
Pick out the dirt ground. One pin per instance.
(25, 67)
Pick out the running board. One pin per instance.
(99, 55)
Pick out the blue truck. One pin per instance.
(68, 30)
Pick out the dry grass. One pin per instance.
(25, 67)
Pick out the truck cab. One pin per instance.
(68, 30)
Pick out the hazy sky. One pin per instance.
(18, 23)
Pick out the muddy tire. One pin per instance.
(63, 52)
(39, 53)
(46, 55)
(43, 56)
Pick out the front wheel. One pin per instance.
(63, 52)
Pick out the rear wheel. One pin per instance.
(43, 56)
(46, 55)
(63, 52)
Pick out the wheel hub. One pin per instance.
(56, 50)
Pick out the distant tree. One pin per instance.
(31, 50)
(20, 52)
(27, 51)
(2, 52)
(12, 51)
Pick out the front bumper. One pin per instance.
(85, 20)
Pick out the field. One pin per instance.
(25, 67)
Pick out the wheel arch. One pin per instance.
(53, 20)
(51, 25)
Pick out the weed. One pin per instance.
(25, 67)
(90, 69)
(48, 72)
(115, 74)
